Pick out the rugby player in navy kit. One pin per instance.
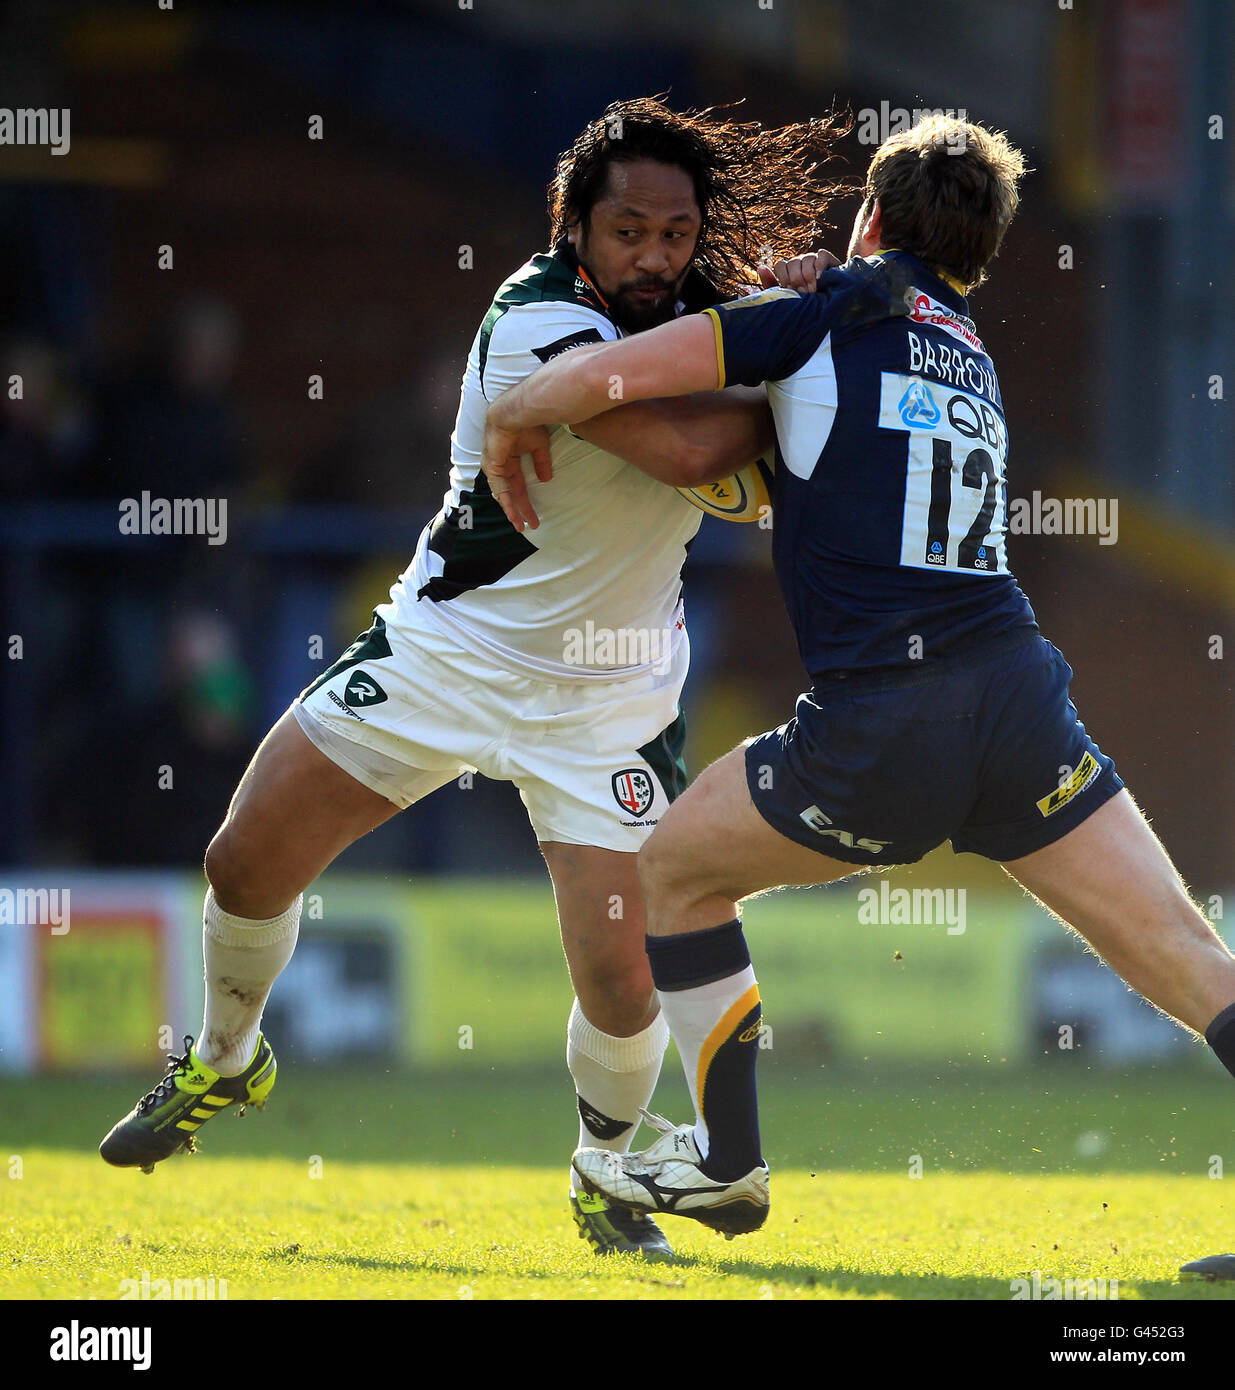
(936, 710)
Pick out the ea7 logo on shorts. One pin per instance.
(363, 690)
(817, 821)
(1073, 786)
(633, 790)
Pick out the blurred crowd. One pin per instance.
(132, 643)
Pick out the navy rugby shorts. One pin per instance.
(984, 749)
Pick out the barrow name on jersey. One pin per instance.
(890, 501)
(612, 540)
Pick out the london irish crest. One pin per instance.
(633, 790)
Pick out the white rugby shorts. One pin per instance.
(597, 762)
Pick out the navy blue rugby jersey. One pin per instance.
(890, 503)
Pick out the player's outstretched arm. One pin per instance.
(674, 360)
(692, 440)
(689, 440)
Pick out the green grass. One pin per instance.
(454, 1188)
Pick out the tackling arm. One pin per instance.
(674, 360)
(687, 441)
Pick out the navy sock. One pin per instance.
(1220, 1035)
(697, 957)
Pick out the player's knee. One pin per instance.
(230, 870)
(619, 1002)
(674, 876)
(660, 867)
(219, 862)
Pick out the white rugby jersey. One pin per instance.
(593, 592)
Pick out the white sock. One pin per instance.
(613, 1077)
(243, 959)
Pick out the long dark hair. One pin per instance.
(756, 188)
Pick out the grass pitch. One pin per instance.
(454, 1188)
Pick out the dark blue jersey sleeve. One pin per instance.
(768, 336)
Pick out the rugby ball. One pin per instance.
(747, 496)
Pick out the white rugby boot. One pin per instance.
(666, 1179)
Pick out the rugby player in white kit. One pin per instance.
(481, 659)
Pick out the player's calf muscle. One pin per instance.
(600, 913)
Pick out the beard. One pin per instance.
(634, 313)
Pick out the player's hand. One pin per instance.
(800, 273)
(502, 463)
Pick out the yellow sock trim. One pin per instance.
(733, 1015)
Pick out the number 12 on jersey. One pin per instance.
(955, 484)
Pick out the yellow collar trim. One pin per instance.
(950, 280)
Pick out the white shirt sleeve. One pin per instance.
(528, 335)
